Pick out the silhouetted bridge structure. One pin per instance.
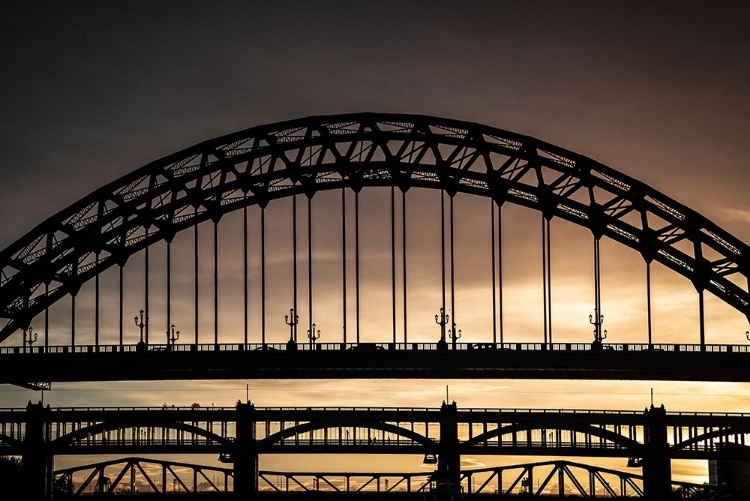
(675, 362)
(69, 287)
(240, 435)
(138, 476)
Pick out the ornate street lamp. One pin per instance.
(175, 336)
(313, 335)
(454, 335)
(442, 320)
(597, 320)
(141, 323)
(28, 339)
(291, 320)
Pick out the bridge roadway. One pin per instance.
(676, 362)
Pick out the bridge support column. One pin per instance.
(448, 475)
(657, 468)
(36, 462)
(245, 455)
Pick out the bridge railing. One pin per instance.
(365, 348)
(21, 411)
(549, 411)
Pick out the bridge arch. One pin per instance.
(709, 436)
(268, 162)
(608, 435)
(315, 425)
(100, 428)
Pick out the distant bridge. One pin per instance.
(240, 435)
(137, 475)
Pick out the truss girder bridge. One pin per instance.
(565, 478)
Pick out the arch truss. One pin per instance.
(257, 165)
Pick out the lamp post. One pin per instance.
(442, 320)
(291, 320)
(454, 335)
(171, 339)
(313, 335)
(597, 320)
(141, 323)
(29, 338)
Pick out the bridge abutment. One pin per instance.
(657, 467)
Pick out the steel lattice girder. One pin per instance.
(304, 156)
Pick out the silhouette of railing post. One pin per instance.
(36, 462)
(657, 469)
(245, 454)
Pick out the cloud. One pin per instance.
(731, 214)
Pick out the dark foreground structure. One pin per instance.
(648, 439)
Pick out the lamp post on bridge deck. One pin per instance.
(442, 320)
(291, 320)
(171, 340)
(454, 335)
(28, 339)
(141, 346)
(597, 320)
(313, 335)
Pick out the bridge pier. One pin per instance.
(447, 478)
(245, 454)
(36, 462)
(657, 468)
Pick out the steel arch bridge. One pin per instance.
(305, 156)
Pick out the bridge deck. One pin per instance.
(376, 360)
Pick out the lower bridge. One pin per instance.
(140, 477)
(239, 435)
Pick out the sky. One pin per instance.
(92, 91)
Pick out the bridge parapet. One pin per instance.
(527, 361)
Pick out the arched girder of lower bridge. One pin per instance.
(610, 443)
(154, 436)
(257, 165)
(729, 441)
(423, 443)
